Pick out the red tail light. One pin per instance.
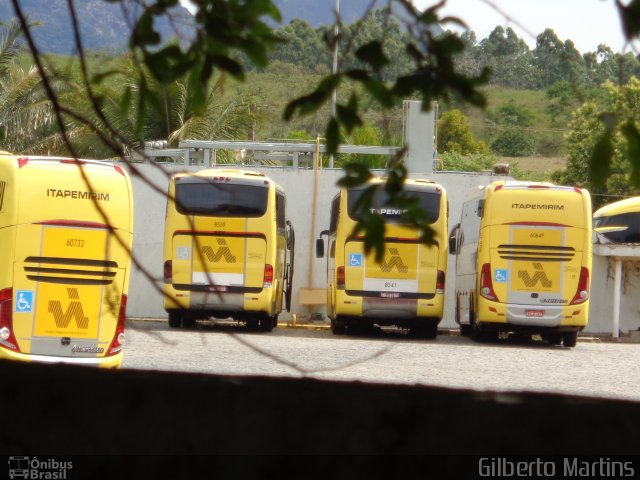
(7, 337)
(118, 336)
(440, 280)
(340, 278)
(268, 276)
(168, 272)
(486, 284)
(582, 293)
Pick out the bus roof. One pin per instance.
(246, 176)
(628, 205)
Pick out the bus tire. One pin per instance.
(337, 328)
(274, 321)
(465, 330)
(175, 320)
(252, 323)
(569, 339)
(266, 323)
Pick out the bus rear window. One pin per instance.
(429, 201)
(221, 199)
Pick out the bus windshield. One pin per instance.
(429, 201)
(221, 200)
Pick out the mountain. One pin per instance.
(103, 25)
(322, 12)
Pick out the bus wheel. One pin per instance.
(266, 324)
(465, 330)
(175, 320)
(569, 339)
(274, 321)
(337, 328)
(252, 324)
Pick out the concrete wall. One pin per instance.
(150, 183)
(602, 286)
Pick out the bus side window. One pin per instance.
(335, 211)
(280, 212)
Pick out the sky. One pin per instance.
(587, 23)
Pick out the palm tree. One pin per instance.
(24, 111)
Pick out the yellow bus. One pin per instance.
(228, 248)
(66, 230)
(523, 261)
(619, 222)
(406, 288)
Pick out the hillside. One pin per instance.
(103, 25)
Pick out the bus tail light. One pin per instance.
(168, 272)
(582, 294)
(268, 276)
(486, 285)
(118, 337)
(340, 278)
(440, 280)
(7, 337)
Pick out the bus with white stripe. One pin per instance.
(228, 248)
(523, 261)
(406, 288)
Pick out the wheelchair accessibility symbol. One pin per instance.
(500, 275)
(355, 260)
(24, 301)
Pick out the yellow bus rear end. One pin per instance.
(225, 248)
(532, 265)
(406, 288)
(66, 229)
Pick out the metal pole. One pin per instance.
(335, 69)
(617, 290)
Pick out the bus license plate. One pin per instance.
(389, 294)
(534, 313)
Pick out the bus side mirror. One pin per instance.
(319, 248)
(453, 239)
(480, 207)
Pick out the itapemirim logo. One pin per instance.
(223, 252)
(38, 469)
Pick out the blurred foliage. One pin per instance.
(603, 148)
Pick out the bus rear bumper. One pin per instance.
(552, 316)
(113, 361)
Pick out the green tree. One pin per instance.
(454, 135)
(508, 57)
(588, 134)
(514, 139)
(557, 60)
(24, 110)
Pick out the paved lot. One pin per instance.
(593, 368)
